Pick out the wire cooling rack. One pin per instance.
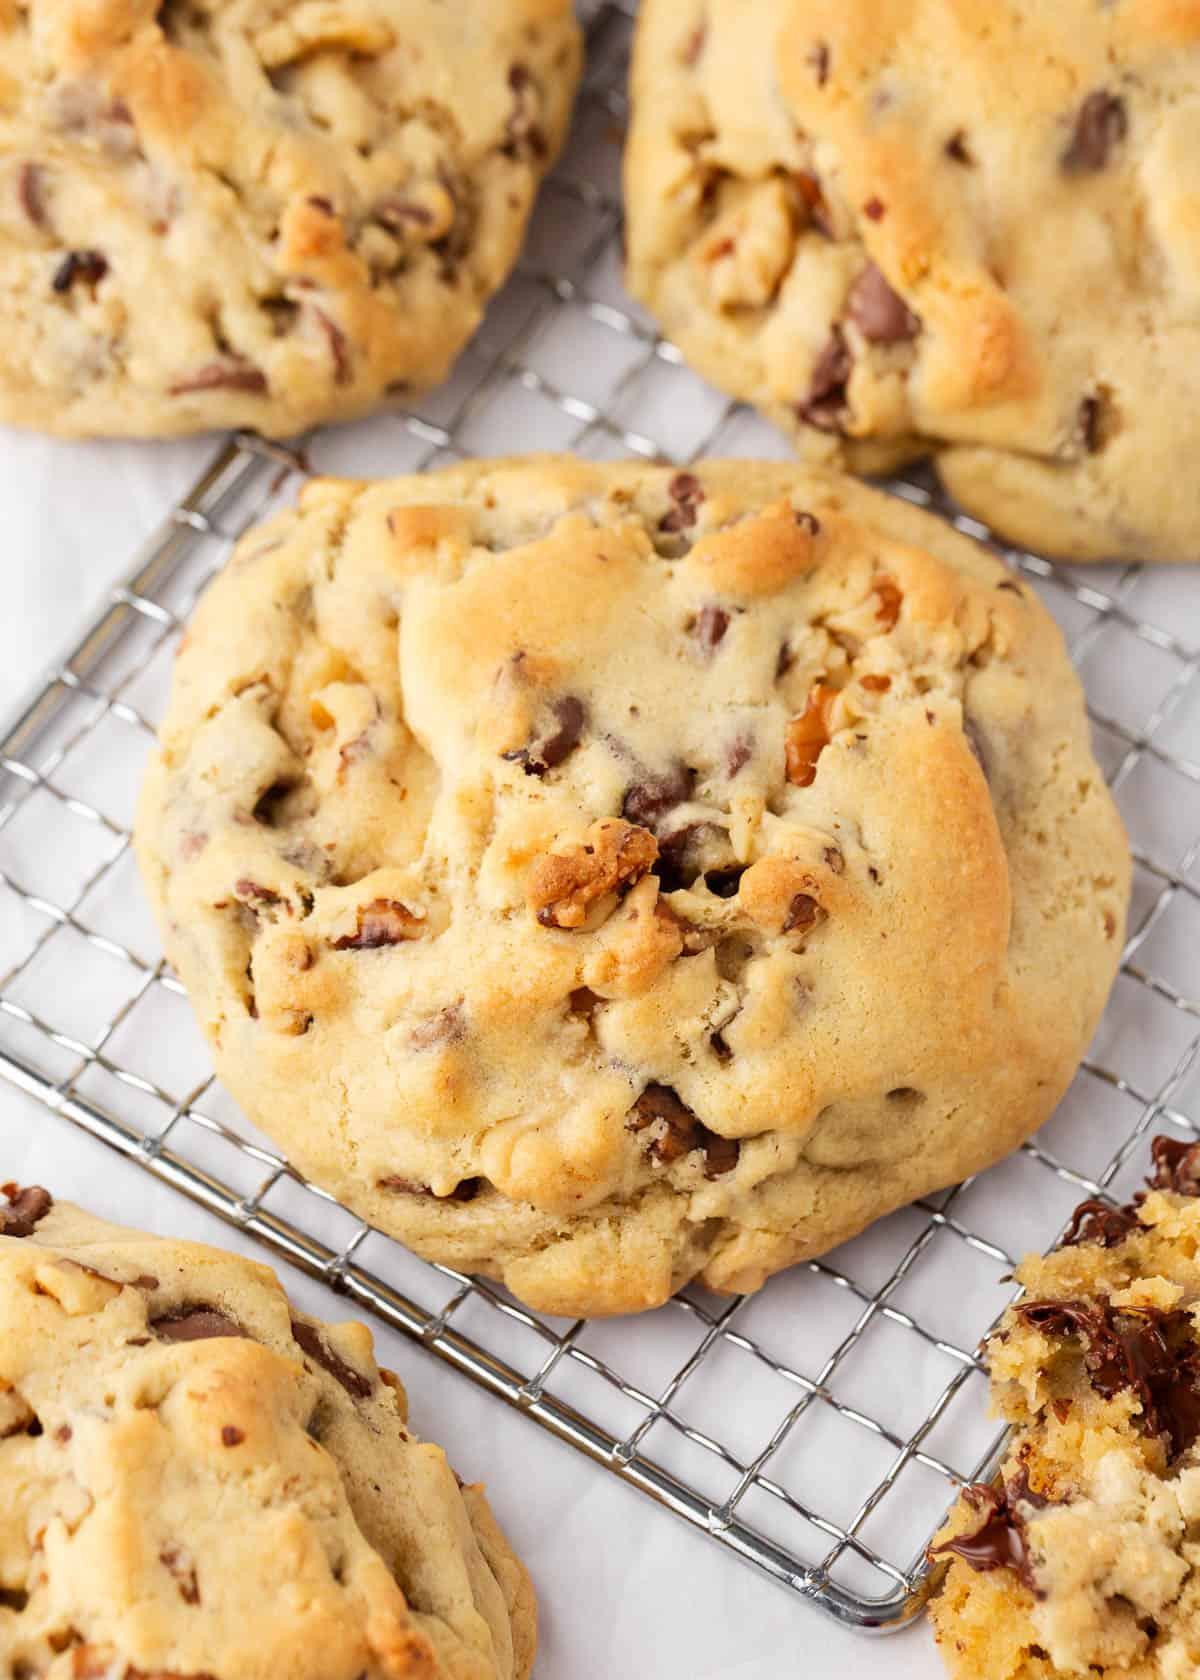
(820, 1428)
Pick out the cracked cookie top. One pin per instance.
(181, 1449)
(598, 875)
(1082, 1559)
(245, 212)
(924, 225)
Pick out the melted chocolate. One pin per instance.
(351, 1380)
(1000, 1541)
(1149, 1351)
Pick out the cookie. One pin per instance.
(1082, 1558)
(960, 229)
(237, 213)
(599, 876)
(200, 1480)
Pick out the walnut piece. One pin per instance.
(564, 885)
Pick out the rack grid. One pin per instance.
(819, 1429)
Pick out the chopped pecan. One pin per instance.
(890, 600)
(384, 921)
(709, 627)
(808, 735)
(679, 1131)
(25, 1208)
(564, 885)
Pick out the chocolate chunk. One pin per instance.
(231, 1436)
(1094, 1221)
(1149, 1351)
(802, 913)
(465, 1191)
(1176, 1166)
(25, 1208)
(232, 374)
(686, 491)
(88, 266)
(724, 882)
(584, 1001)
(338, 347)
(1000, 1541)
(1102, 123)
(194, 1324)
(676, 868)
(879, 313)
(351, 1380)
(30, 195)
(875, 209)
(709, 627)
(548, 753)
(647, 802)
(825, 404)
(682, 1131)
(385, 921)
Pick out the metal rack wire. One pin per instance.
(817, 1430)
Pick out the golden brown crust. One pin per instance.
(552, 723)
(912, 226)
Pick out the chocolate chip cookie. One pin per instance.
(242, 213)
(599, 876)
(1082, 1559)
(200, 1481)
(931, 227)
